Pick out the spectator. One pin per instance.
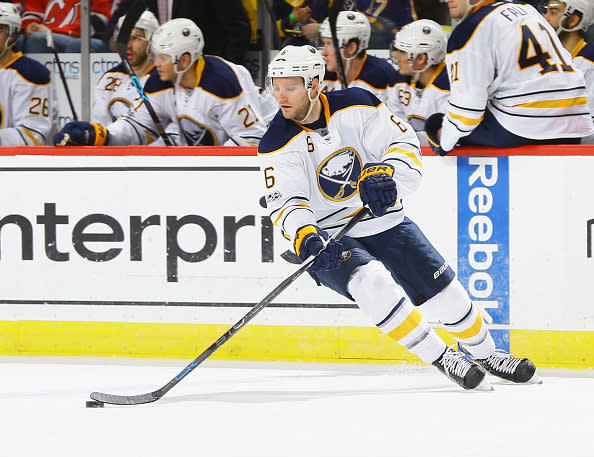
(63, 19)
(214, 102)
(386, 18)
(115, 95)
(571, 19)
(361, 69)
(323, 158)
(27, 97)
(522, 91)
(422, 86)
(298, 21)
(224, 24)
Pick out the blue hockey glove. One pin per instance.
(432, 125)
(376, 187)
(82, 134)
(309, 240)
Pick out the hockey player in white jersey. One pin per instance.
(322, 158)
(214, 102)
(27, 99)
(571, 18)
(422, 86)
(512, 82)
(361, 69)
(115, 94)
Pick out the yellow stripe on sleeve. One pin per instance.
(304, 205)
(30, 135)
(409, 154)
(465, 120)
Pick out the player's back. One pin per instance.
(375, 75)
(508, 53)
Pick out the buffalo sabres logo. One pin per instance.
(337, 175)
(195, 133)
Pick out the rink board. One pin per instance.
(135, 251)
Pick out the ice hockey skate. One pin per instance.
(506, 366)
(462, 371)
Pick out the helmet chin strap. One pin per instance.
(5, 47)
(562, 29)
(469, 8)
(312, 102)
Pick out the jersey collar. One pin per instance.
(16, 56)
(578, 47)
(325, 113)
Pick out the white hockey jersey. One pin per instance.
(375, 75)
(506, 58)
(116, 96)
(27, 103)
(415, 104)
(223, 109)
(310, 171)
(583, 60)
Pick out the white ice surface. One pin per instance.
(245, 409)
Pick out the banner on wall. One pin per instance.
(483, 238)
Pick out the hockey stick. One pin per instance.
(155, 395)
(49, 38)
(335, 6)
(132, 16)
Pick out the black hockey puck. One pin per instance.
(94, 404)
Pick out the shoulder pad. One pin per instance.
(442, 81)
(465, 29)
(119, 68)
(352, 96)
(587, 52)
(154, 84)
(219, 79)
(401, 79)
(377, 73)
(330, 76)
(280, 132)
(31, 70)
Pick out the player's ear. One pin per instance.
(351, 49)
(420, 61)
(572, 21)
(184, 61)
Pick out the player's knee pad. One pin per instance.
(374, 290)
(450, 305)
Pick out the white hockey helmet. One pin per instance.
(349, 25)
(147, 22)
(9, 15)
(302, 61)
(585, 8)
(176, 38)
(422, 37)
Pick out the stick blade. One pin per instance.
(125, 400)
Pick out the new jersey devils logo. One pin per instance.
(337, 175)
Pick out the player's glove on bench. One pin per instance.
(376, 187)
(432, 125)
(82, 134)
(309, 240)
